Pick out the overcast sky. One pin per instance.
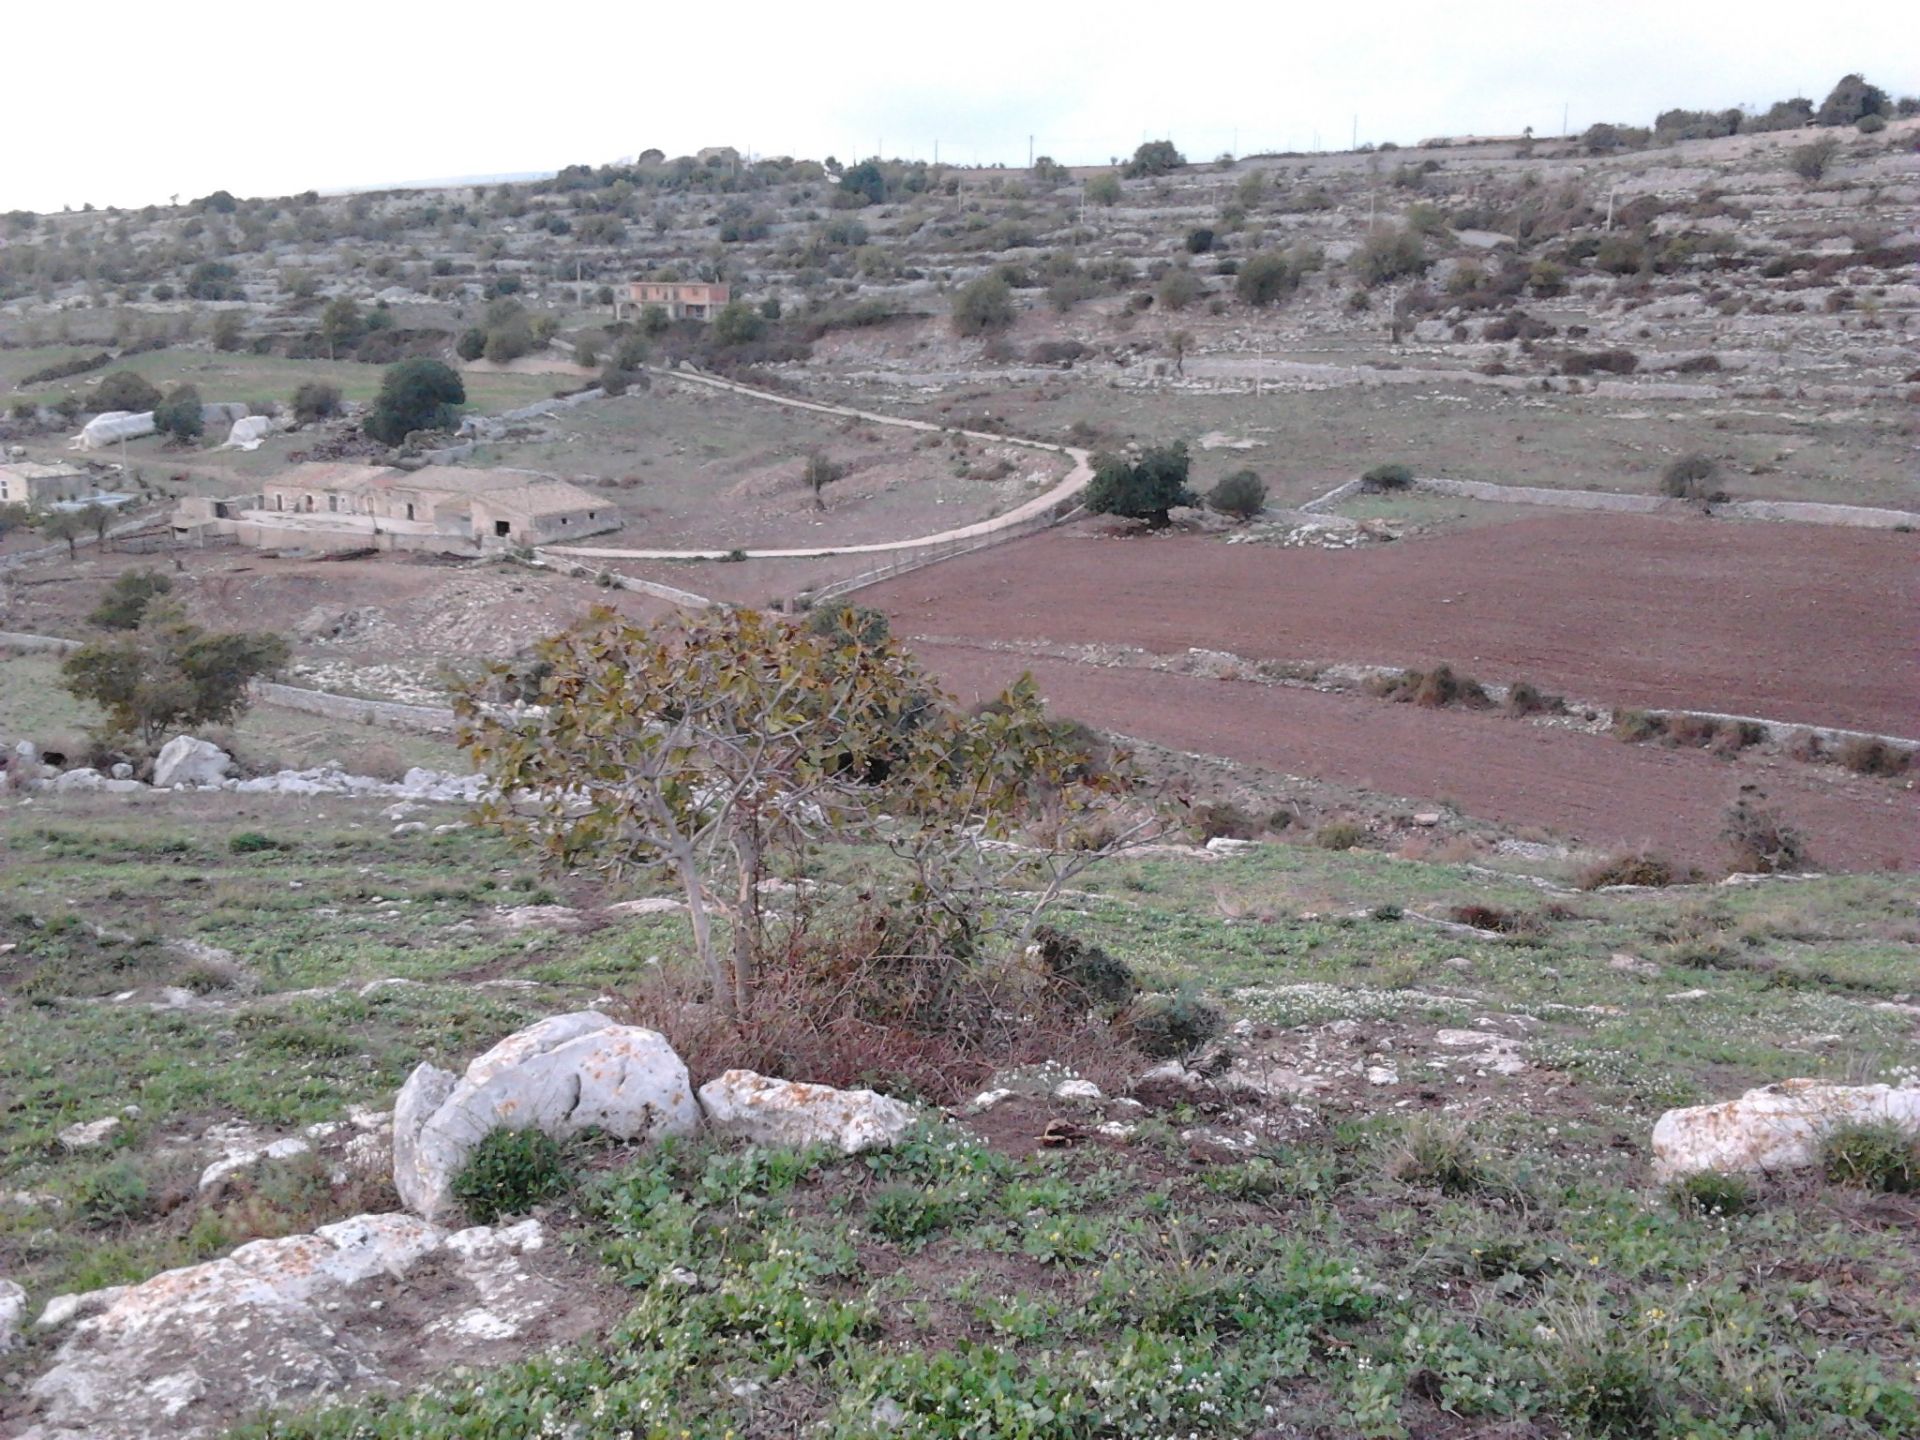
(277, 98)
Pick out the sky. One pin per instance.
(279, 98)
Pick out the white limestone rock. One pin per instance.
(89, 1134)
(13, 1309)
(1777, 1127)
(565, 1074)
(185, 760)
(190, 1352)
(790, 1114)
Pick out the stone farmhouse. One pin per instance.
(681, 299)
(441, 507)
(38, 486)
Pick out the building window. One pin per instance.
(501, 527)
(409, 512)
(333, 502)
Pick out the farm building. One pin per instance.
(440, 507)
(682, 300)
(37, 486)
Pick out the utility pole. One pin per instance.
(1029, 152)
(1563, 120)
(1611, 190)
(1356, 134)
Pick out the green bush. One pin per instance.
(1243, 495)
(1872, 1155)
(125, 390)
(1340, 835)
(315, 400)
(127, 599)
(1083, 974)
(252, 842)
(1179, 288)
(416, 394)
(472, 343)
(1156, 157)
(1145, 489)
(178, 417)
(982, 306)
(114, 1194)
(509, 1173)
(1810, 161)
(1389, 255)
(1169, 1026)
(1265, 278)
(1439, 1154)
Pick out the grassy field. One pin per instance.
(1458, 1252)
(267, 737)
(1306, 442)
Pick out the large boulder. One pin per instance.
(563, 1075)
(186, 760)
(789, 1114)
(192, 1352)
(1777, 1127)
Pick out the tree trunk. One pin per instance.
(723, 994)
(746, 928)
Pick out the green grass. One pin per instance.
(1506, 1262)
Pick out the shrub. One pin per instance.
(1632, 867)
(1199, 241)
(1590, 362)
(983, 305)
(472, 343)
(1871, 124)
(1865, 755)
(178, 417)
(1222, 820)
(1084, 975)
(1690, 477)
(1169, 1026)
(509, 1173)
(1243, 495)
(1637, 726)
(1340, 835)
(1761, 841)
(1526, 698)
(1265, 278)
(315, 400)
(1434, 689)
(1810, 161)
(252, 842)
(1179, 288)
(1711, 1194)
(1852, 100)
(1873, 1155)
(1155, 157)
(1389, 255)
(125, 390)
(1145, 489)
(1386, 477)
(114, 1194)
(127, 599)
(1492, 917)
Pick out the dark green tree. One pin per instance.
(125, 390)
(178, 416)
(1144, 489)
(982, 305)
(1851, 99)
(127, 599)
(416, 394)
(866, 179)
(1156, 157)
(315, 400)
(738, 323)
(169, 673)
(1243, 495)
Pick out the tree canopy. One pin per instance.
(416, 394)
(1144, 489)
(169, 673)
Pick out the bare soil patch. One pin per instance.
(1791, 622)
(1587, 787)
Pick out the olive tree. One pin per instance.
(704, 748)
(168, 672)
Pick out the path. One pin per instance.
(1075, 481)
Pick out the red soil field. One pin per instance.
(1810, 624)
(1588, 788)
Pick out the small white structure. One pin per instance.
(105, 431)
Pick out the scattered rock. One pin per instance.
(1225, 845)
(13, 1310)
(89, 1134)
(1427, 819)
(185, 760)
(410, 827)
(789, 1113)
(1777, 1127)
(1079, 1091)
(563, 1075)
(1632, 965)
(191, 1352)
(537, 917)
(652, 905)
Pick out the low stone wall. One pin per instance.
(36, 644)
(389, 714)
(1803, 512)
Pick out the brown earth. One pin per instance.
(1588, 788)
(1792, 622)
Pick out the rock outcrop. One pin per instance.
(1777, 1127)
(566, 1074)
(790, 1114)
(190, 1352)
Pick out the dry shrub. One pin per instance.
(1691, 732)
(1449, 850)
(1759, 839)
(1637, 726)
(1865, 755)
(1631, 867)
(865, 999)
(1805, 746)
(1222, 819)
(380, 760)
(1526, 698)
(1435, 689)
(1492, 917)
(1340, 835)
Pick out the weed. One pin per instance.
(1866, 755)
(114, 1194)
(1638, 726)
(508, 1173)
(249, 842)
(1760, 839)
(1440, 1154)
(1526, 698)
(1167, 1026)
(1873, 1155)
(1711, 1193)
(1630, 867)
(1690, 477)
(1382, 478)
(1340, 835)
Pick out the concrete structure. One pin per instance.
(442, 507)
(37, 486)
(681, 299)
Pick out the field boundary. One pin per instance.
(1803, 512)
